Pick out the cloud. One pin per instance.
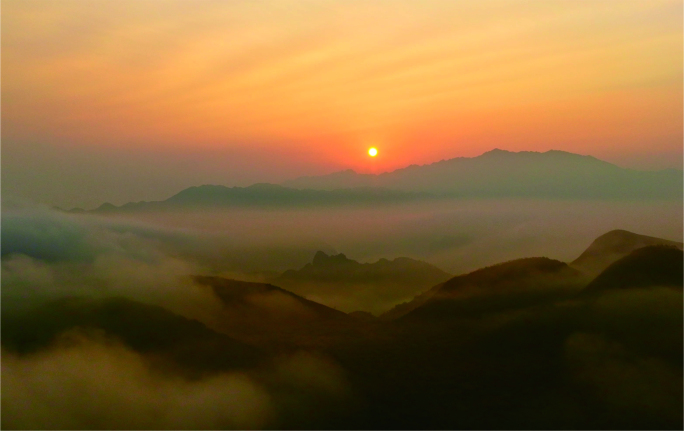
(547, 361)
(116, 265)
(92, 382)
(86, 381)
(102, 385)
(40, 234)
(48, 255)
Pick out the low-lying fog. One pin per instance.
(457, 236)
(255, 244)
(48, 254)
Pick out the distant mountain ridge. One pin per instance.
(264, 195)
(500, 173)
(494, 174)
(326, 267)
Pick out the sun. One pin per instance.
(372, 151)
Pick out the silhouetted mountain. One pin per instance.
(528, 279)
(235, 292)
(499, 173)
(508, 275)
(602, 252)
(650, 266)
(349, 285)
(264, 195)
(612, 246)
(142, 327)
(275, 319)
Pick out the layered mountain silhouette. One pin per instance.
(496, 351)
(650, 266)
(618, 258)
(352, 286)
(264, 195)
(499, 173)
(509, 346)
(612, 246)
(500, 339)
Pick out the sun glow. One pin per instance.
(372, 151)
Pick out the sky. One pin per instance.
(119, 100)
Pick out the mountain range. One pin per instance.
(500, 173)
(494, 174)
(264, 195)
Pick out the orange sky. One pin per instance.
(320, 81)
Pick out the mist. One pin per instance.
(91, 379)
(87, 381)
(456, 235)
(153, 249)
(318, 373)
(342, 215)
(313, 367)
